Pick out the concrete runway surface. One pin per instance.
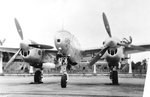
(78, 86)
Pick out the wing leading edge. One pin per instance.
(7, 49)
(137, 49)
(90, 52)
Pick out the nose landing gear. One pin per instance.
(64, 80)
(63, 61)
(38, 73)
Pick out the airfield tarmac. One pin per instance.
(78, 86)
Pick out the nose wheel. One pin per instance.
(63, 63)
(64, 80)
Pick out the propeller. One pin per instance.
(41, 46)
(21, 36)
(107, 27)
(12, 59)
(130, 39)
(102, 52)
(98, 56)
(127, 43)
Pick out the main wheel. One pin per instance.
(38, 76)
(114, 77)
(64, 80)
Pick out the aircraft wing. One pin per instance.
(7, 49)
(49, 55)
(96, 54)
(52, 52)
(137, 48)
(90, 52)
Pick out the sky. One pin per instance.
(41, 19)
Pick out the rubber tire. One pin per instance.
(38, 76)
(114, 77)
(64, 81)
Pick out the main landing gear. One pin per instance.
(38, 76)
(37, 73)
(63, 61)
(114, 75)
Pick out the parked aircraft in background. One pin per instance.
(37, 55)
(113, 51)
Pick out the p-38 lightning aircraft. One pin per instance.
(113, 51)
(37, 55)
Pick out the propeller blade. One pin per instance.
(107, 27)
(41, 46)
(12, 59)
(98, 56)
(19, 28)
(130, 39)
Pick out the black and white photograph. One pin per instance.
(74, 48)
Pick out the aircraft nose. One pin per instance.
(58, 42)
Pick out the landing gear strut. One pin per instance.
(37, 74)
(63, 61)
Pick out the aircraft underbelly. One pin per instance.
(115, 59)
(33, 59)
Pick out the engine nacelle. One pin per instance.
(48, 65)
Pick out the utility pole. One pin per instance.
(30, 69)
(130, 64)
(94, 69)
